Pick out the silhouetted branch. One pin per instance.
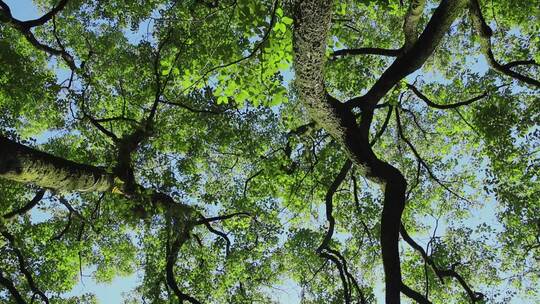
(383, 128)
(222, 235)
(28, 206)
(423, 162)
(8, 284)
(220, 218)
(474, 296)
(445, 106)
(22, 265)
(180, 236)
(366, 51)
(485, 32)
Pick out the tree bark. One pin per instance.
(312, 21)
(26, 165)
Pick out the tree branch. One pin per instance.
(8, 284)
(22, 264)
(180, 235)
(424, 164)
(484, 32)
(410, 25)
(445, 106)
(474, 296)
(366, 51)
(28, 206)
(414, 57)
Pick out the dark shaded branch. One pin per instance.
(191, 109)
(414, 57)
(253, 52)
(445, 106)
(325, 245)
(23, 268)
(357, 205)
(180, 236)
(366, 51)
(64, 230)
(413, 294)
(47, 17)
(8, 284)
(485, 32)
(28, 206)
(520, 62)
(474, 296)
(423, 162)
(383, 127)
(329, 205)
(249, 179)
(221, 234)
(220, 218)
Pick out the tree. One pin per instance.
(222, 149)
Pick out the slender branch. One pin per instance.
(444, 106)
(474, 296)
(415, 56)
(421, 160)
(383, 128)
(248, 56)
(366, 51)
(223, 235)
(413, 294)
(329, 205)
(27, 207)
(325, 245)
(180, 237)
(189, 108)
(249, 179)
(8, 284)
(22, 265)
(65, 229)
(220, 218)
(24, 27)
(521, 62)
(47, 17)
(485, 32)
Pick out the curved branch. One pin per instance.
(366, 51)
(180, 237)
(28, 206)
(248, 56)
(8, 284)
(221, 234)
(474, 296)
(485, 32)
(383, 128)
(220, 218)
(414, 57)
(24, 27)
(445, 106)
(413, 294)
(22, 265)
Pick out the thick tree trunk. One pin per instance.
(26, 165)
(312, 21)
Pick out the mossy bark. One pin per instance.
(26, 165)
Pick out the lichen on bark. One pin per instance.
(26, 165)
